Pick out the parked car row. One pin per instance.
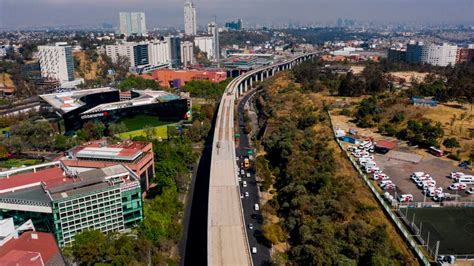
(427, 184)
(461, 182)
(367, 163)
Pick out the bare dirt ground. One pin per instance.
(408, 76)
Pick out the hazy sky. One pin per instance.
(170, 12)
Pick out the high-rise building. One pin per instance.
(205, 44)
(190, 26)
(187, 53)
(234, 25)
(132, 23)
(137, 53)
(159, 52)
(214, 31)
(437, 55)
(56, 62)
(175, 48)
(68, 200)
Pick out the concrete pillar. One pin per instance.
(261, 76)
(251, 81)
(245, 85)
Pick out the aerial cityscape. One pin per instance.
(304, 132)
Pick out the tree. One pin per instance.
(451, 143)
(3, 152)
(139, 83)
(89, 246)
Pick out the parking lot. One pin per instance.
(439, 169)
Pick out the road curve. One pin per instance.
(227, 242)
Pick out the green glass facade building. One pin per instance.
(106, 199)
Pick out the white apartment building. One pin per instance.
(205, 44)
(214, 31)
(159, 52)
(56, 62)
(132, 23)
(187, 53)
(125, 50)
(190, 26)
(439, 55)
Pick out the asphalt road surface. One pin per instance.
(255, 237)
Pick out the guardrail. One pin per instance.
(388, 210)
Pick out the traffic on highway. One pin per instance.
(259, 247)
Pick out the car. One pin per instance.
(389, 187)
(457, 186)
(381, 176)
(470, 190)
(248, 175)
(405, 198)
(251, 226)
(256, 207)
(439, 198)
(244, 184)
(239, 178)
(417, 174)
(237, 158)
(241, 196)
(431, 191)
(242, 172)
(456, 175)
(383, 183)
(372, 170)
(254, 250)
(246, 194)
(351, 148)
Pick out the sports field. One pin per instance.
(160, 132)
(141, 121)
(453, 227)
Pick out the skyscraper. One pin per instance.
(132, 23)
(190, 27)
(214, 31)
(56, 62)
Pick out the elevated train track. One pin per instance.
(227, 242)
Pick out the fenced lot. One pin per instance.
(453, 227)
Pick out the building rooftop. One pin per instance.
(49, 177)
(31, 248)
(70, 100)
(146, 97)
(100, 150)
(41, 187)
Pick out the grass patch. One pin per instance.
(18, 163)
(160, 132)
(139, 122)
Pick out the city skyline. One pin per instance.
(169, 13)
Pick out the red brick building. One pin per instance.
(176, 78)
(465, 55)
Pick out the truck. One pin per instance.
(246, 163)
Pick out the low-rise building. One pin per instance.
(177, 78)
(135, 155)
(67, 200)
(23, 245)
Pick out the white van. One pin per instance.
(255, 206)
(244, 184)
(464, 180)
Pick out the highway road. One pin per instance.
(251, 216)
(227, 231)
